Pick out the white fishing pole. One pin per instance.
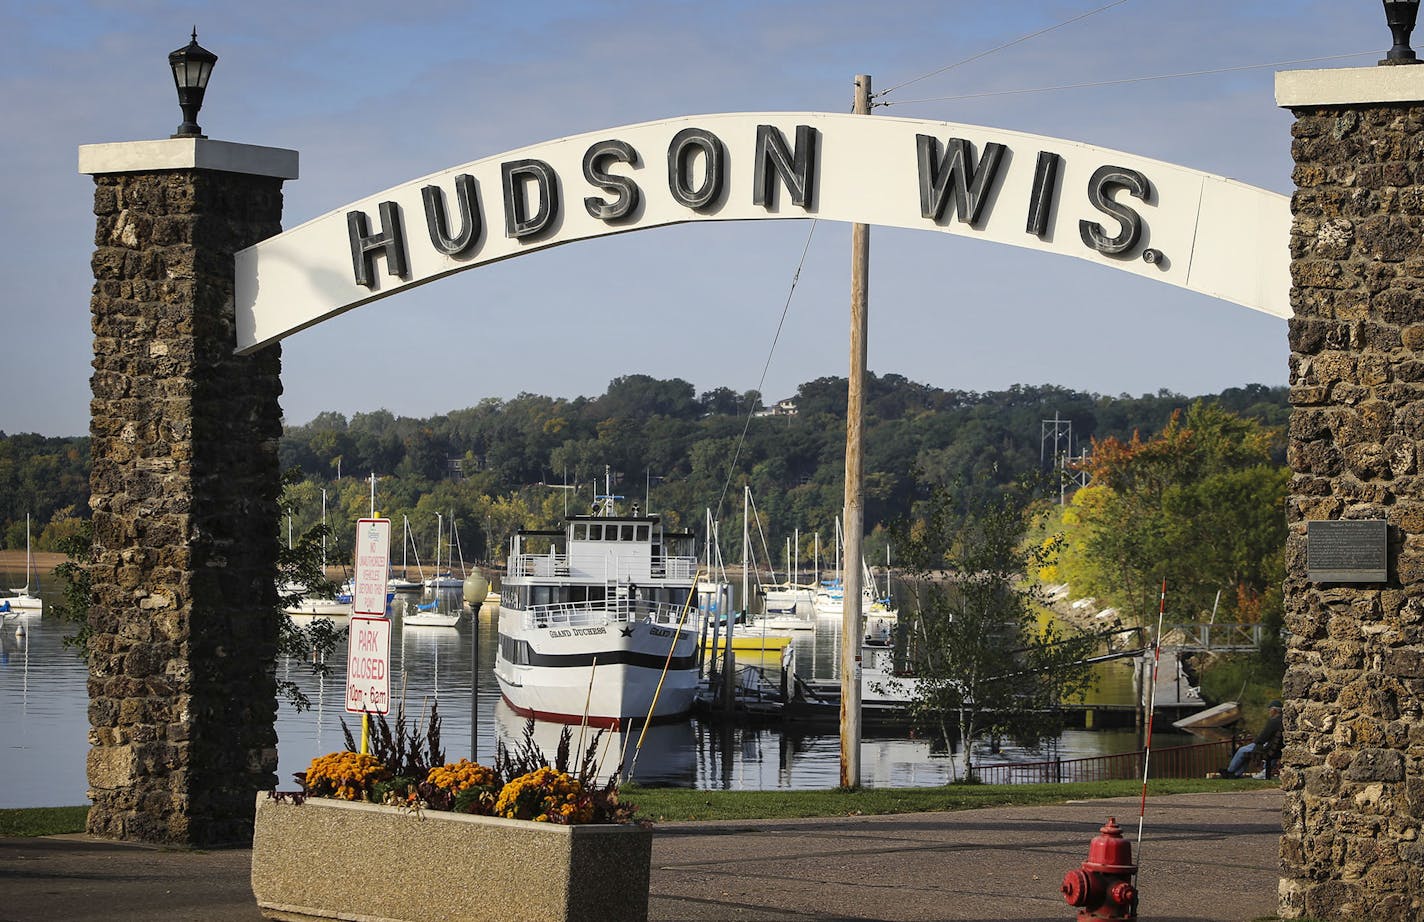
(1151, 706)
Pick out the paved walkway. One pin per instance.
(1207, 857)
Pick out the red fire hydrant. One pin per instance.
(1102, 887)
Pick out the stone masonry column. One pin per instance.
(1353, 768)
(182, 692)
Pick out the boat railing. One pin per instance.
(539, 565)
(555, 565)
(601, 612)
(674, 567)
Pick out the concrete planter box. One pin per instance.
(332, 859)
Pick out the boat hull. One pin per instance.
(610, 674)
(313, 609)
(430, 619)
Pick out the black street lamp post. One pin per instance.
(1400, 15)
(192, 65)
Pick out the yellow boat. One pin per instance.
(752, 640)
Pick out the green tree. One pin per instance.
(984, 664)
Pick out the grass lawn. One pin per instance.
(42, 821)
(683, 804)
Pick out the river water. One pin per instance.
(44, 721)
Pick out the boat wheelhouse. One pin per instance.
(597, 621)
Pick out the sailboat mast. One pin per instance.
(746, 537)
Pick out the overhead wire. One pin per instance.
(761, 382)
(984, 54)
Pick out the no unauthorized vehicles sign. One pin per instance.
(373, 549)
(368, 666)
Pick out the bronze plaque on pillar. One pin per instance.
(1347, 551)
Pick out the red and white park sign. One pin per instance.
(368, 666)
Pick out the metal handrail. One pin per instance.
(600, 612)
(1193, 761)
(557, 565)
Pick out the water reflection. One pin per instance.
(662, 755)
(44, 734)
(44, 731)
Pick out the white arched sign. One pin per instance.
(1181, 226)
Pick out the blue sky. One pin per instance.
(375, 94)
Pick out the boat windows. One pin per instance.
(514, 651)
(641, 534)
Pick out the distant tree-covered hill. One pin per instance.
(502, 463)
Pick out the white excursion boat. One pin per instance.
(21, 600)
(595, 622)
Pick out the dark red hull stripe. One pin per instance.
(608, 723)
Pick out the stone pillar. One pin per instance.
(182, 696)
(1353, 769)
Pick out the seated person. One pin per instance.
(1267, 744)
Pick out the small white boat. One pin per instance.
(1213, 717)
(312, 609)
(446, 579)
(791, 620)
(790, 595)
(429, 616)
(21, 600)
(880, 632)
(404, 583)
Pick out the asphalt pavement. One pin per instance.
(1210, 856)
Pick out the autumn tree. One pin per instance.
(1200, 504)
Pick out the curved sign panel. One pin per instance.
(1166, 222)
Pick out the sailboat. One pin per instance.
(404, 583)
(784, 598)
(311, 608)
(428, 614)
(446, 579)
(22, 599)
(830, 598)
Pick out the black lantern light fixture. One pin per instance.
(1400, 14)
(192, 65)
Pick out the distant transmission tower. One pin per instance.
(1061, 432)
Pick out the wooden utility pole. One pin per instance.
(854, 516)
